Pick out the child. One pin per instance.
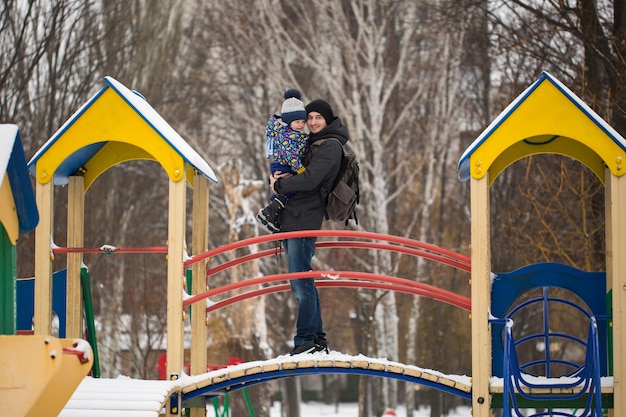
(285, 145)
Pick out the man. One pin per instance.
(305, 211)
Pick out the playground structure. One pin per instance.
(545, 118)
(37, 374)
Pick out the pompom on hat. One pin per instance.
(322, 107)
(293, 107)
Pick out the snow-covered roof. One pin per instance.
(153, 118)
(103, 120)
(584, 111)
(13, 165)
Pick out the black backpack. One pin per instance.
(344, 196)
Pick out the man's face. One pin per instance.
(315, 121)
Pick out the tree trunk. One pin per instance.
(290, 397)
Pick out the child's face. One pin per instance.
(298, 124)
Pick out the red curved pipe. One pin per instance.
(346, 244)
(429, 251)
(412, 247)
(322, 274)
(457, 301)
(329, 233)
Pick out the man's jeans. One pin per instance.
(299, 253)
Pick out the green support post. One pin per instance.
(607, 400)
(85, 283)
(7, 284)
(188, 283)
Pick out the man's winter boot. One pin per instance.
(305, 348)
(321, 344)
(269, 216)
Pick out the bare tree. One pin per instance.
(581, 42)
(379, 66)
(560, 215)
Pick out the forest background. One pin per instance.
(414, 81)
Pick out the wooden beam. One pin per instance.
(175, 276)
(616, 268)
(44, 194)
(200, 244)
(75, 239)
(481, 296)
(608, 258)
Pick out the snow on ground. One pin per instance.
(316, 409)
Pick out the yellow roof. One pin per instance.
(546, 118)
(114, 126)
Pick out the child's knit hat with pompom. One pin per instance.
(293, 107)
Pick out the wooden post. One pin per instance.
(75, 239)
(481, 296)
(175, 247)
(616, 273)
(200, 244)
(44, 195)
(608, 224)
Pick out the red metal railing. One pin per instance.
(349, 279)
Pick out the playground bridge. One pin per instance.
(134, 398)
(141, 398)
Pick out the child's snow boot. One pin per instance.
(269, 216)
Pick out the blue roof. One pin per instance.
(13, 164)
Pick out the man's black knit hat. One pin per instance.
(323, 108)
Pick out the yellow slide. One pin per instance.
(38, 374)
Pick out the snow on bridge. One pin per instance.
(234, 377)
(102, 397)
(141, 398)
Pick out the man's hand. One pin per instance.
(277, 175)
